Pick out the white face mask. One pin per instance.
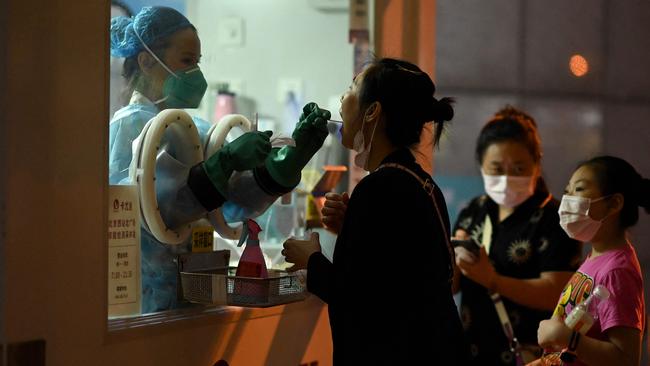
(575, 219)
(363, 151)
(508, 190)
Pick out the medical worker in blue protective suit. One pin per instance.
(162, 50)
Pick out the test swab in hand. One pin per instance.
(334, 126)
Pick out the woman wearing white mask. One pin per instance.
(525, 258)
(601, 202)
(379, 317)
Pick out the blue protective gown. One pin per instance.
(158, 266)
(245, 198)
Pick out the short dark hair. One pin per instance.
(510, 124)
(406, 95)
(615, 175)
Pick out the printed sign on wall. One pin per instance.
(123, 251)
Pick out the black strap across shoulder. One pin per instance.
(428, 186)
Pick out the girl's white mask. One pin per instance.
(575, 219)
(508, 190)
(363, 151)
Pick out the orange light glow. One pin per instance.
(578, 65)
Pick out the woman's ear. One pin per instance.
(145, 62)
(616, 202)
(373, 112)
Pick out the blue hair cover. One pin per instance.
(151, 24)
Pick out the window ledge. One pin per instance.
(144, 325)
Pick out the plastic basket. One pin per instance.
(222, 287)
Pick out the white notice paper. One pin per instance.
(123, 251)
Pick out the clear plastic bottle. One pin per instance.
(580, 319)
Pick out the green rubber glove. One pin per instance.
(244, 153)
(285, 164)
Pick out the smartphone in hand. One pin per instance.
(468, 244)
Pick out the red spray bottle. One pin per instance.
(251, 263)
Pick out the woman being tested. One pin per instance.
(162, 51)
(388, 288)
(525, 258)
(601, 202)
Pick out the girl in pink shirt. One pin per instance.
(600, 203)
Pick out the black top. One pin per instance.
(388, 289)
(528, 242)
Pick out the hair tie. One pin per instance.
(442, 109)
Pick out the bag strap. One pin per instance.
(500, 308)
(428, 187)
(502, 313)
(506, 325)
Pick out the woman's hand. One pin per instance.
(298, 251)
(460, 234)
(477, 268)
(334, 211)
(553, 334)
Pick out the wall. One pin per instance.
(3, 177)
(405, 29)
(281, 39)
(55, 140)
